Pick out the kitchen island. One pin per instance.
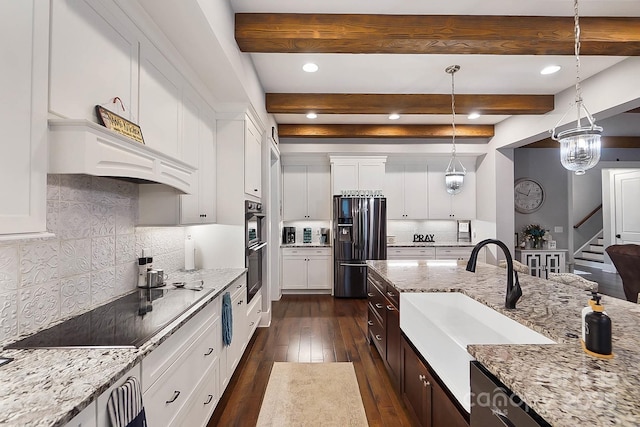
(561, 383)
(48, 387)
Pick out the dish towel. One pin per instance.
(125, 405)
(227, 319)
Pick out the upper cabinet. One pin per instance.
(357, 173)
(252, 160)
(23, 116)
(239, 170)
(306, 193)
(406, 191)
(442, 205)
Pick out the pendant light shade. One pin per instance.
(454, 175)
(580, 146)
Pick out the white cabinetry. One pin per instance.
(406, 191)
(357, 173)
(238, 166)
(23, 115)
(233, 352)
(460, 253)
(306, 192)
(442, 205)
(252, 160)
(411, 253)
(86, 418)
(543, 262)
(101, 402)
(306, 269)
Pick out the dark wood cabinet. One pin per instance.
(426, 398)
(384, 323)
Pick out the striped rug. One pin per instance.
(312, 394)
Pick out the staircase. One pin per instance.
(591, 254)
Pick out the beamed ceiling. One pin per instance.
(372, 65)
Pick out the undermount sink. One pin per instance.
(442, 325)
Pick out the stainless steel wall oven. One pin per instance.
(254, 218)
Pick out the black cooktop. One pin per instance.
(127, 322)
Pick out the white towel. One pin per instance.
(125, 405)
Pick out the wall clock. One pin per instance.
(528, 195)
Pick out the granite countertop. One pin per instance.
(560, 382)
(48, 387)
(429, 244)
(305, 245)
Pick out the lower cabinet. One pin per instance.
(460, 253)
(233, 352)
(426, 399)
(542, 262)
(411, 253)
(306, 269)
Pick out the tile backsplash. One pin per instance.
(91, 260)
(403, 230)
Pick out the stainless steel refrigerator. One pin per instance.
(359, 234)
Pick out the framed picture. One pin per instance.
(119, 124)
(551, 244)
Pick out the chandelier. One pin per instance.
(580, 146)
(454, 178)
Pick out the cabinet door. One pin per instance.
(415, 386)
(371, 176)
(442, 205)
(554, 262)
(319, 272)
(190, 147)
(252, 160)
(23, 116)
(238, 340)
(294, 272)
(535, 261)
(394, 191)
(393, 341)
(294, 197)
(207, 172)
(415, 191)
(318, 192)
(344, 177)
(463, 205)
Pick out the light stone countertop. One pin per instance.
(48, 387)
(560, 382)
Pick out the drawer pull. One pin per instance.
(370, 322)
(240, 302)
(390, 307)
(209, 352)
(252, 323)
(259, 311)
(422, 377)
(502, 417)
(209, 399)
(378, 305)
(175, 396)
(370, 295)
(378, 337)
(391, 294)
(239, 286)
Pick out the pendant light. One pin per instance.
(454, 178)
(580, 146)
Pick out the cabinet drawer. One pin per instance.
(306, 251)
(461, 253)
(411, 253)
(393, 295)
(376, 332)
(204, 400)
(377, 301)
(375, 280)
(253, 315)
(160, 359)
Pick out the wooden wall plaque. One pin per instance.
(119, 124)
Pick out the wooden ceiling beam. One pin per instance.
(342, 103)
(383, 131)
(607, 142)
(435, 34)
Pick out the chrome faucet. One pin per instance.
(514, 292)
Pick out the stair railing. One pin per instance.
(589, 215)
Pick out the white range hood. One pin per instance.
(84, 147)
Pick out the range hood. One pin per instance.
(84, 147)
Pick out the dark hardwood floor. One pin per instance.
(318, 329)
(608, 283)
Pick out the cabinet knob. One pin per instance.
(175, 396)
(378, 337)
(370, 322)
(240, 302)
(391, 294)
(252, 323)
(422, 377)
(390, 307)
(255, 189)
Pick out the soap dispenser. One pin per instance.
(598, 332)
(588, 309)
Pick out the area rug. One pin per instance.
(312, 394)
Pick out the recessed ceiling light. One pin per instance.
(394, 116)
(473, 116)
(310, 67)
(312, 116)
(550, 69)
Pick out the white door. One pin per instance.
(627, 205)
